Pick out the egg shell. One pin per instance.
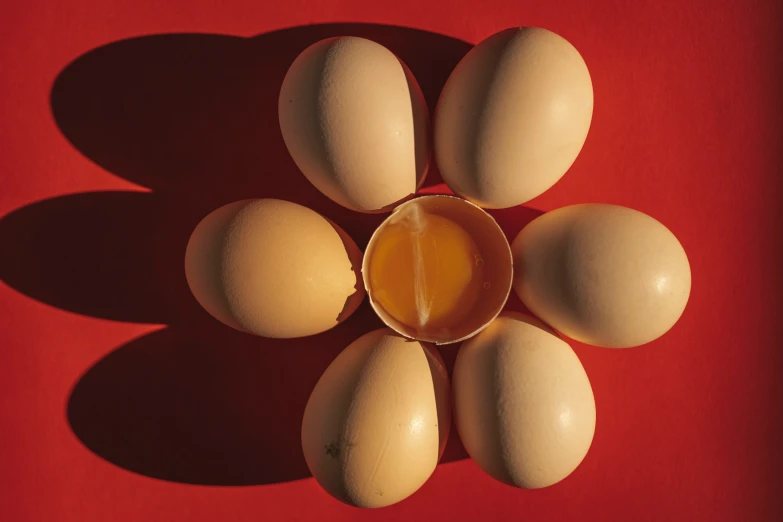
(512, 117)
(604, 275)
(356, 123)
(376, 423)
(523, 404)
(273, 268)
(498, 265)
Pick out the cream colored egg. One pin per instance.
(274, 268)
(512, 117)
(602, 274)
(356, 123)
(522, 402)
(378, 419)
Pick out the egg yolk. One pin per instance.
(425, 271)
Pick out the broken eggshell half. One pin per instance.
(439, 269)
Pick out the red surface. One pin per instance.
(122, 401)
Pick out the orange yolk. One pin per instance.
(426, 271)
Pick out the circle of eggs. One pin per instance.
(510, 121)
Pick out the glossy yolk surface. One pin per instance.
(425, 271)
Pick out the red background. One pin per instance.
(121, 400)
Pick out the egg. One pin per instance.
(439, 269)
(273, 268)
(604, 275)
(356, 123)
(377, 421)
(523, 404)
(512, 117)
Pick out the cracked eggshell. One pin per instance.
(512, 117)
(356, 123)
(523, 404)
(376, 423)
(273, 268)
(604, 275)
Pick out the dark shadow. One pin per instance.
(113, 255)
(213, 406)
(193, 117)
(513, 220)
(192, 112)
